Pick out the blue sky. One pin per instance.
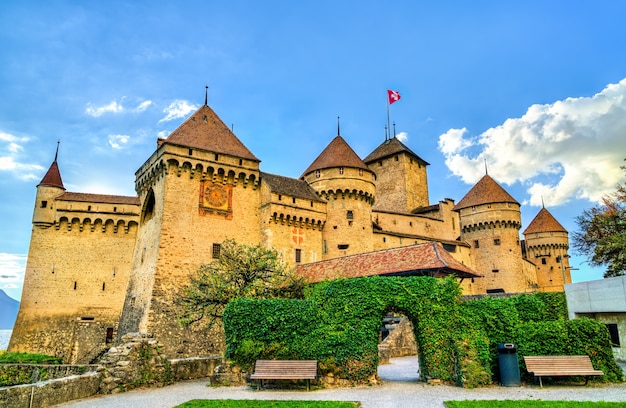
(536, 89)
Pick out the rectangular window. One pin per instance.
(614, 333)
(215, 252)
(109, 337)
(298, 255)
(350, 215)
(449, 247)
(476, 245)
(44, 204)
(496, 241)
(543, 261)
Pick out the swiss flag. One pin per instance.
(394, 96)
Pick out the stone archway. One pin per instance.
(397, 350)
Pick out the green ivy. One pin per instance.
(338, 324)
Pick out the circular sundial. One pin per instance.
(215, 195)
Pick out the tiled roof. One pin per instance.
(99, 198)
(337, 154)
(289, 186)
(205, 130)
(544, 222)
(52, 177)
(484, 192)
(421, 260)
(389, 148)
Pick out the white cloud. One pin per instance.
(178, 109)
(571, 148)
(12, 268)
(97, 111)
(143, 106)
(118, 141)
(10, 148)
(402, 136)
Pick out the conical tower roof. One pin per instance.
(544, 222)
(337, 154)
(52, 177)
(486, 191)
(205, 130)
(389, 148)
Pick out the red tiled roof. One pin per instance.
(337, 154)
(422, 260)
(544, 222)
(205, 130)
(52, 177)
(389, 148)
(99, 198)
(484, 192)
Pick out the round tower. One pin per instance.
(547, 243)
(490, 222)
(50, 187)
(344, 180)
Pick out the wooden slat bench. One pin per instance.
(285, 370)
(560, 366)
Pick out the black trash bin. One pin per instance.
(509, 366)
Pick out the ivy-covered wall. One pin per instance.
(338, 324)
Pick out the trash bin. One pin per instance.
(509, 366)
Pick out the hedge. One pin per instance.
(338, 324)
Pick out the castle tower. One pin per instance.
(490, 221)
(546, 246)
(50, 187)
(78, 264)
(197, 189)
(401, 179)
(342, 178)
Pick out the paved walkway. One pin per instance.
(400, 389)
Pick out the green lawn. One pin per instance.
(266, 404)
(532, 404)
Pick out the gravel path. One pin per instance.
(400, 389)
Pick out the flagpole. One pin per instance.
(388, 125)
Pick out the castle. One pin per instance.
(100, 266)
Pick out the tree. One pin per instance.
(602, 233)
(240, 271)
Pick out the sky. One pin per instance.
(534, 90)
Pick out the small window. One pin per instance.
(449, 247)
(88, 318)
(44, 204)
(340, 170)
(495, 290)
(190, 152)
(103, 285)
(280, 197)
(293, 200)
(343, 246)
(380, 163)
(109, 337)
(215, 251)
(543, 261)
(324, 247)
(75, 285)
(216, 156)
(311, 203)
(114, 209)
(241, 162)
(349, 215)
(614, 333)
(298, 255)
(396, 158)
(495, 270)
(473, 208)
(360, 172)
(88, 208)
(317, 174)
(384, 239)
(496, 241)
(476, 244)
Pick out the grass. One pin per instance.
(266, 404)
(27, 358)
(532, 404)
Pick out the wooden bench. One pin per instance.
(560, 366)
(285, 370)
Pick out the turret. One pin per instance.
(490, 222)
(50, 187)
(401, 182)
(547, 243)
(344, 180)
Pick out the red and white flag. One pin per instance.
(394, 96)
